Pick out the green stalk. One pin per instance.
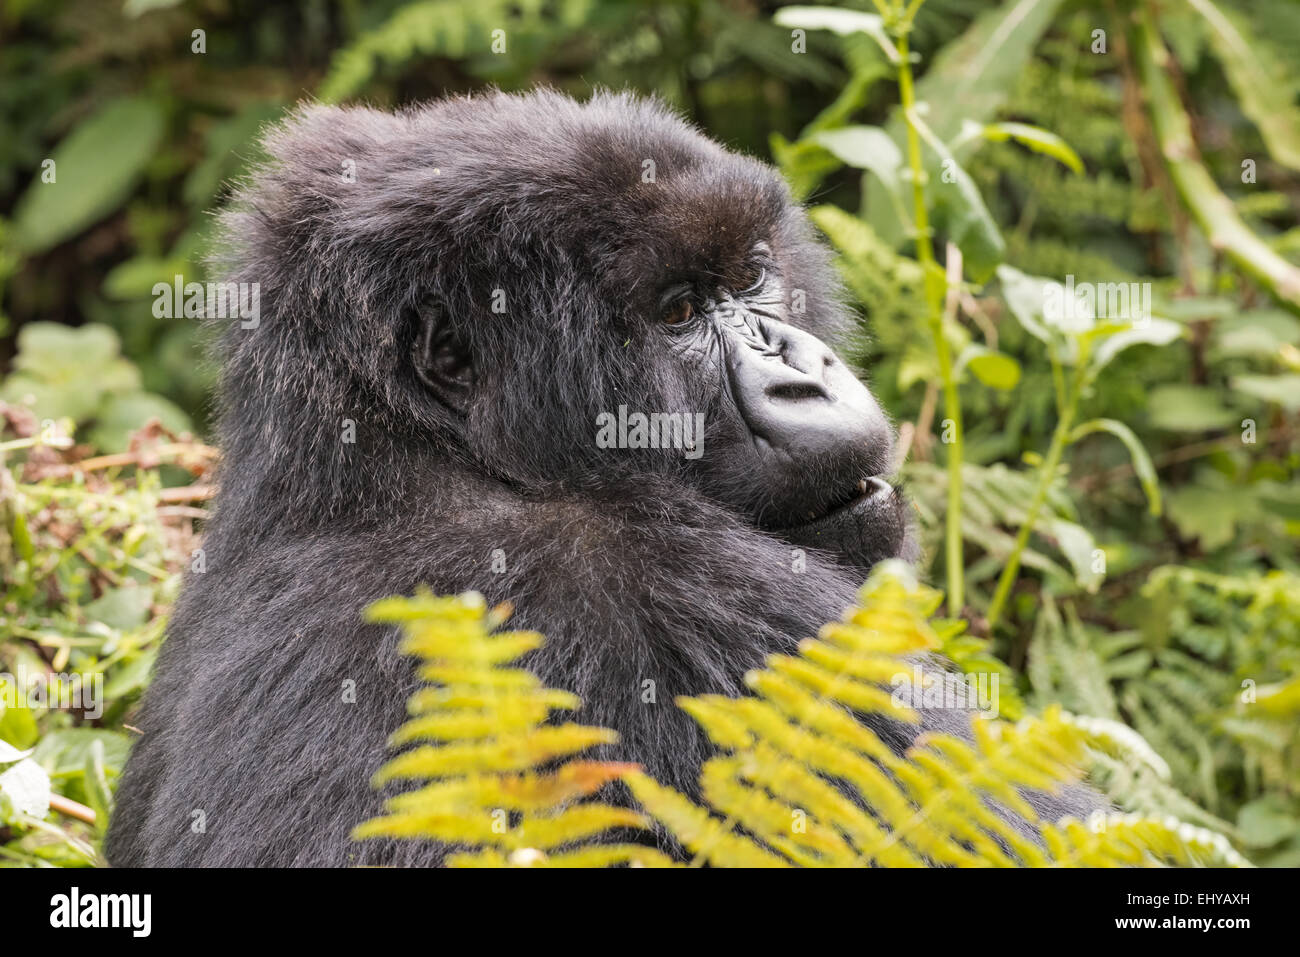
(1213, 211)
(1046, 473)
(934, 292)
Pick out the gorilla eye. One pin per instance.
(679, 313)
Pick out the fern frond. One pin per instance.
(802, 782)
(484, 780)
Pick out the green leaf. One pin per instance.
(1155, 332)
(1035, 138)
(971, 78)
(993, 368)
(96, 167)
(1267, 820)
(66, 751)
(122, 608)
(1025, 296)
(1282, 389)
(1187, 408)
(959, 210)
(123, 414)
(871, 149)
(1266, 95)
(1077, 545)
(17, 724)
(839, 21)
(1142, 465)
(1209, 513)
(27, 788)
(67, 372)
(1257, 332)
(230, 147)
(135, 278)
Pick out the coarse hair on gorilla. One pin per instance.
(456, 301)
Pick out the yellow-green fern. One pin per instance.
(481, 740)
(793, 778)
(774, 804)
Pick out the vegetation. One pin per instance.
(796, 770)
(1108, 495)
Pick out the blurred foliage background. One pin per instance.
(1181, 622)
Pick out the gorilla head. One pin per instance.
(501, 274)
(490, 330)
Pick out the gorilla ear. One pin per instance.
(442, 362)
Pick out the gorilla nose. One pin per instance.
(801, 398)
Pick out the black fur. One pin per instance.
(636, 565)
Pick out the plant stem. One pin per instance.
(1046, 473)
(1213, 211)
(935, 288)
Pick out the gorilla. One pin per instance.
(573, 355)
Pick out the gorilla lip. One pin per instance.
(867, 494)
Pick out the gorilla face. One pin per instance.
(696, 292)
(805, 446)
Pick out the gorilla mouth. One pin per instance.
(870, 494)
(866, 525)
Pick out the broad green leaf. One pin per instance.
(1142, 465)
(1025, 296)
(1155, 332)
(1186, 408)
(1267, 820)
(135, 278)
(123, 414)
(66, 372)
(96, 167)
(135, 8)
(989, 366)
(1266, 95)
(1283, 389)
(840, 21)
(27, 788)
(17, 724)
(1209, 515)
(66, 751)
(972, 76)
(1258, 332)
(871, 149)
(959, 210)
(122, 608)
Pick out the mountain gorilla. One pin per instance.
(456, 302)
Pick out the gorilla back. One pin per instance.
(573, 355)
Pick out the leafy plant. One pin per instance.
(493, 777)
(799, 780)
(90, 553)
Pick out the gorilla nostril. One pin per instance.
(796, 391)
